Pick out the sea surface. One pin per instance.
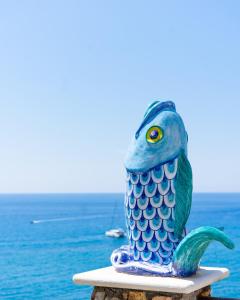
(37, 261)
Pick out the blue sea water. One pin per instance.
(37, 261)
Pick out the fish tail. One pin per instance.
(189, 252)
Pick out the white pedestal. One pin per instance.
(108, 277)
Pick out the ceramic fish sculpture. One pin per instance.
(158, 200)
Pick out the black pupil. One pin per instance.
(154, 134)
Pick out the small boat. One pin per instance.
(116, 233)
(34, 222)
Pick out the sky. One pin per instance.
(77, 76)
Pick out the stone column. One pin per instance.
(105, 293)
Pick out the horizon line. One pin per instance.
(87, 193)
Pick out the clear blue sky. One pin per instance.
(76, 77)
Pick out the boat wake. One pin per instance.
(66, 219)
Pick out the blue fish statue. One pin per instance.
(158, 201)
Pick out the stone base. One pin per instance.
(111, 279)
(106, 293)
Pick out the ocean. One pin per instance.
(37, 261)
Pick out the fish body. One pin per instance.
(158, 200)
(150, 214)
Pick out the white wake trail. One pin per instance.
(66, 219)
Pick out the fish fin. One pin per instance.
(183, 191)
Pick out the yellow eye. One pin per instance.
(154, 134)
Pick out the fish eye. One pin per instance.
(154, 134)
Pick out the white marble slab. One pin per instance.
(108, 277)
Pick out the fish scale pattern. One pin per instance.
(149, 207)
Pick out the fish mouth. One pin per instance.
(142, 171)
(138, 171)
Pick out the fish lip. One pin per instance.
(137, 171)
(140, 171)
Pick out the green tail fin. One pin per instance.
(190, 250)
